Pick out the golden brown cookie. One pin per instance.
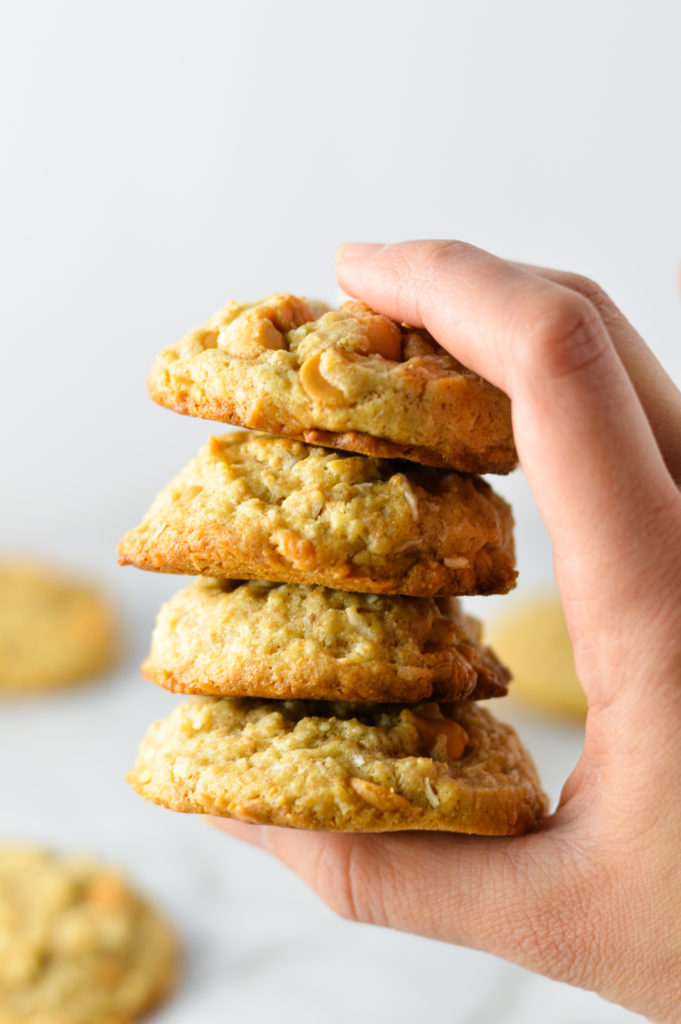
(341, 767)
(533, 637)
(281, 640)
(251, 506)
(54, 630)
(77, 944)
(347, 378)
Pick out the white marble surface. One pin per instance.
(258, 944)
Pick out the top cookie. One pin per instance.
(347, 378)
(78, 945)
(54, 630)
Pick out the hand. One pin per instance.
(593, 897)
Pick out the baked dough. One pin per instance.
(347, 378)
(251, 506)
(280, 640)
(77, 944)
(54, 630)
(341, 767)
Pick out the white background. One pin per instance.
(162, 157)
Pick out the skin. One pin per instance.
(591, 898)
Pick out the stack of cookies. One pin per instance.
(338, 675)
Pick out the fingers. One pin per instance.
(583, 439)
(657, 393)
(493, 312)
(254, 835)
(516, 898)
(360, 876)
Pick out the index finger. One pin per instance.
(657, 393)
(582, 436)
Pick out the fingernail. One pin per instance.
(357, 250)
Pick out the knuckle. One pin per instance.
(437, 256)
(609, 313)
(343, 881)
(565, 334)
(441, 250)
(588, 288)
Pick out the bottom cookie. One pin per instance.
(78, 945)
(341, 767)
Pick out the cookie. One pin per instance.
(533, 637)
(79, 946)
(281, 640)
(341, 767)
(54, 630)
(347, 378)
(251, 506)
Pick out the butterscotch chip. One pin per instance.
(281, 640)
(347, 378)
(340, 767)
(54, 630)
(251, 506)
(78, 945)
(318, 387)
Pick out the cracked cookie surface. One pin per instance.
(251, 506)
(347, 378)
(341, 767)
(281, 640)
(79, 946)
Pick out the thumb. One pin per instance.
(518, 898)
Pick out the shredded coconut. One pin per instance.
(358, 623)
(456, 563)
(431, 795)
(408, 546)
(411, 498)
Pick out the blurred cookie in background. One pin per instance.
(77, 944)
(530, 636)
(55, 630)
